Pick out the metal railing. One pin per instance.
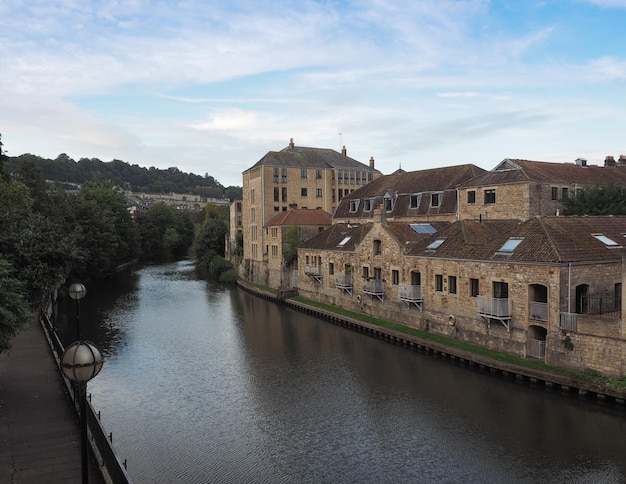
(101, 444)
(314, 270)
(493, 307)
(537, 348)
(409, 292)
(374, 287)
(538, 311)
(343, 281)
(569, 322)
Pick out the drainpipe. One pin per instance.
(569, 292)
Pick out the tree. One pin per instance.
(3, 174)
(166, 233)
(293, 242)
(14, 308)
(597, 200)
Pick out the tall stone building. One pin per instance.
(294, 177)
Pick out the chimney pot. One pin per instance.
(291, 145)
(344, 152)
(609, 161)
(372, 162)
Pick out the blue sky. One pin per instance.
(211, 86)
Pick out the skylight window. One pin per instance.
(434, 245)
(423, 228)
(344, 241)
(606, 241)
(510, 245)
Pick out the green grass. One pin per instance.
(259, 286)
(587, 376)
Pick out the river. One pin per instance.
(204, 383)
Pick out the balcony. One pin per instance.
(343, 282)
(374, 289)
(537, 311)
(495, 308)
(569, 322)
(314, 272)
(411, 294)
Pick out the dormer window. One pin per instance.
(368, 204)
(388, 202)
(415, 201)
(354, 205)
(435, 199)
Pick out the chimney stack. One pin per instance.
(372, 162)
(609, 161)
(622, 160)
(291, 145)
(344, 152)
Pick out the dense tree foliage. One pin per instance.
(14, 309)
(211, 242)
(130, 177)
(293, 242)
(166, 233)
(597, 200)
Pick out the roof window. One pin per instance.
(344, 241)
(510, 245)
(610, 243)
(423, 228)
(436, 244)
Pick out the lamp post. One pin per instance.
(81, 361)
(77, 292)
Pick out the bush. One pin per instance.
(229, 277)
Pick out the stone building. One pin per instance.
(547, 288)
(307, 223)
(413, 196)
(294, 177)
(521, 189)
(235, 228)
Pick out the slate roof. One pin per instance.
(404, 184)
(511, 171)
(330, 238)
(543, 240)
(301, 216)
(303, 157)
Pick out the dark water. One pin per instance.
(206, 384)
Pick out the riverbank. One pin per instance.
(532, 371)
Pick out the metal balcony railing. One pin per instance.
(537, 349)
(537, 311)
(411, 294)
(569, 322)
(343, 281)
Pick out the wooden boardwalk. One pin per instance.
(39, 429)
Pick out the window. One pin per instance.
(395, 277)
(368, 204)
(610, 243)
(274, 232)
(358, 177)
(275, 208)
(555, 193)
(284, 209)
(340, 194)
(303, 192)
(490, 196)
(378, 247)
(354, 205)
(283, 196)
(284, 175)
(510, 245)
(274, 250)
(331, 268)
(318, 173)
(318, 192)
(423, 228)
(501, 290)
(344, 241)
(388, 202)
(303, 173)
(415, 200)
(252, 196)
(471, 196)
(276, 194)
(370, 176)
(435, 245)
(452, 284)
(378, 273)
(438, 282)
(435, 199)
(564, 193)
(275, 175)
(351, 178)
(339, 177)
(365, 272)
(474, 288)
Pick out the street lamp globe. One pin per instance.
(77, 291)
(81, 361)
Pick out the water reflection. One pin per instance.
(207, 384)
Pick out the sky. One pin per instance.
(211, 86)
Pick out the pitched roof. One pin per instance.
(404, 184)
(523, 171)
(541, 240)
(303, 157)
(301, 216)
(339, 237)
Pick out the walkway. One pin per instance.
(39, 430)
